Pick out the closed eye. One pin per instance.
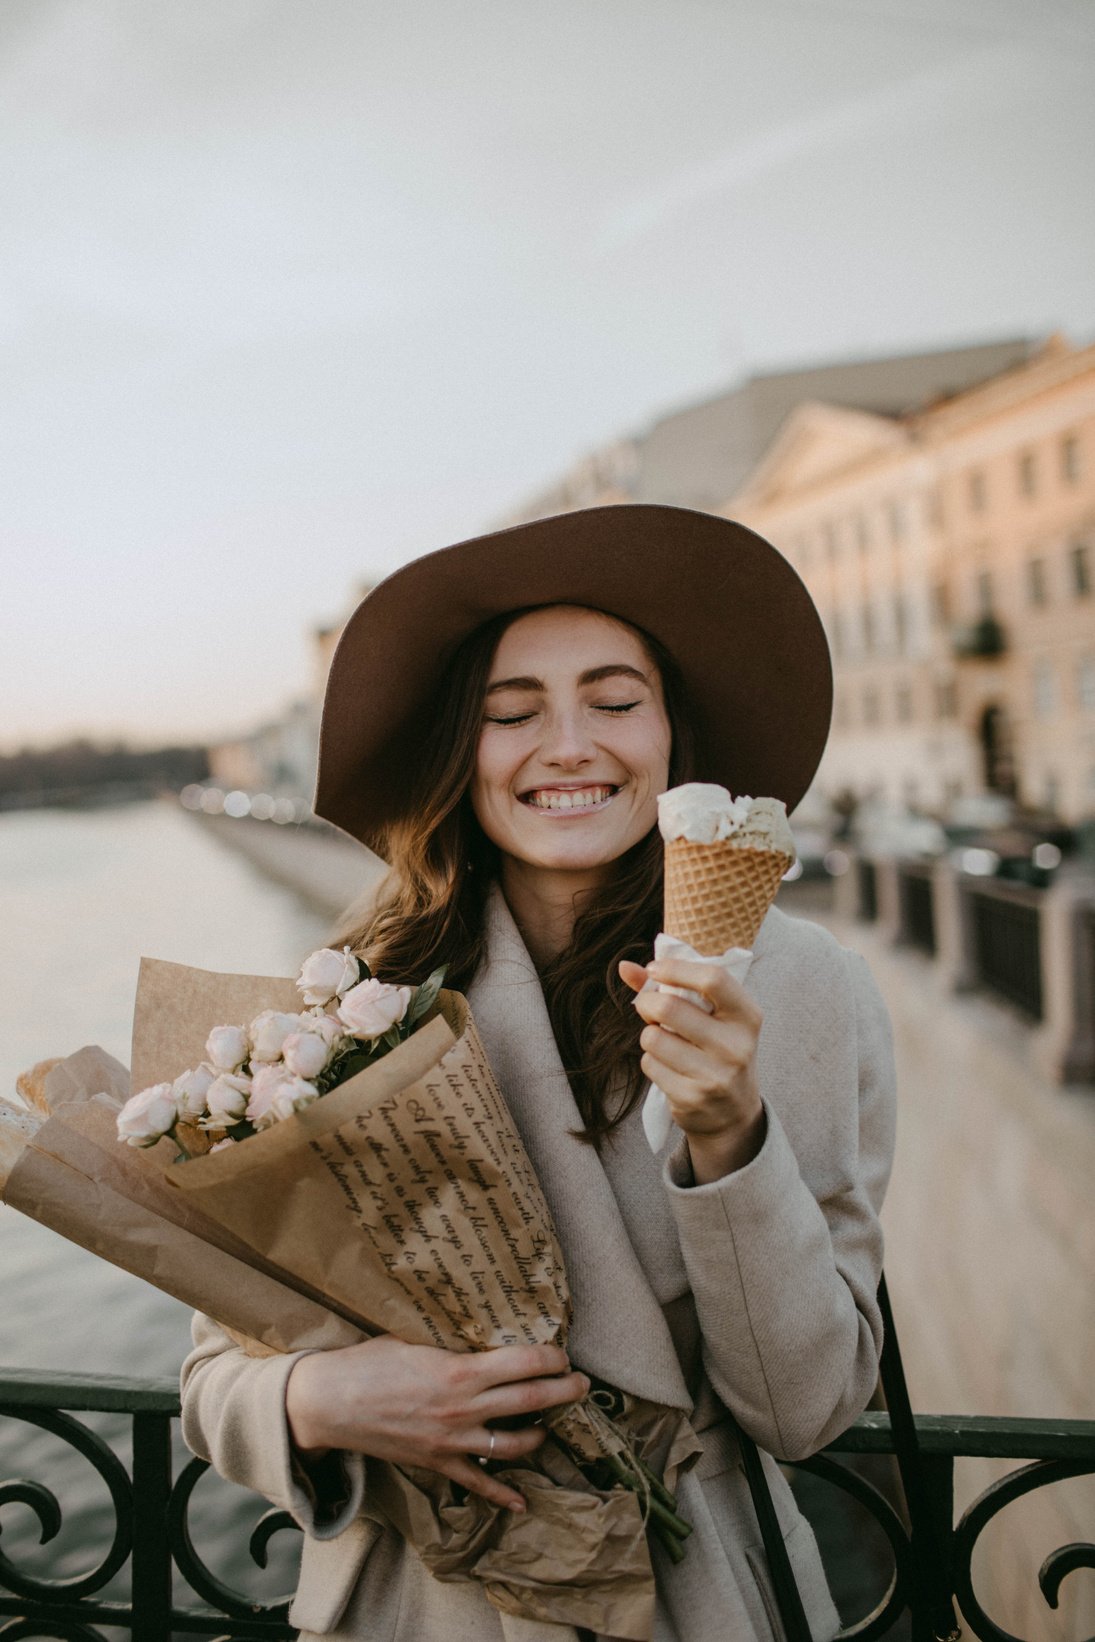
(511, 718)
(617, 707)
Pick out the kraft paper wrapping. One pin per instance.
(407, 1195)
(75, 1178)
(402, 1201)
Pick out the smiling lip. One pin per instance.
(569, 800)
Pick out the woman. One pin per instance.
(500, 719)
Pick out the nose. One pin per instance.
(568, 742)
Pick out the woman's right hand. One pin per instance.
(422, 1406)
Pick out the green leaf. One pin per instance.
(425, 996)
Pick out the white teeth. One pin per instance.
(585, 798)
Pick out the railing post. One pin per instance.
(151, 1545)
(1065, 1044)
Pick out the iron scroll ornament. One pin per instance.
(46, 1508)
(197, 1575)
(976, 1518)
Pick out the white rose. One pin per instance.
(327, 974)
(294, 1095)
(265, 1084)
(147, 1116)
(329, 1027)
(191, 1088)
(370, 1008)
(306, 1053)
(277, 1094)
(226, 1101)
(227, 1047)
(269, 1031)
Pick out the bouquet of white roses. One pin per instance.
(282, 1061)
(381, 1187)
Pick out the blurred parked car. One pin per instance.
(992, 837)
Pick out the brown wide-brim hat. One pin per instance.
(729, 608)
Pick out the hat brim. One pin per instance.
(729, 608)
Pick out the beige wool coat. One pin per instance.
(755, 1293)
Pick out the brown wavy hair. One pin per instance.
(433, 905)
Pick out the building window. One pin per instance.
(867, 628)
(1085, 682)
(946, 698)
(1028, 477)
(1036, 581)
(903, 703)
(897, 521)
(941, 604)
(829, 541)
(862, 532)
(900, 622)
(984, 593)
(933, 508)
(1079, 564)
(870, 706)
(836, 633)
(1043, 691)
(1070, 459)
(977, 491)
(1052, 790)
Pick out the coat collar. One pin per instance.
(619, 1331)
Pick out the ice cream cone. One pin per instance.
(716, 895)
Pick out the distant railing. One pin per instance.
(1007, 942)
(914, 883)
(151, 1540)
(867, 888)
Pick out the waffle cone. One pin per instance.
(716, 895)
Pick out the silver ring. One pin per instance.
(485, 1459)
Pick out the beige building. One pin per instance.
(951, 551)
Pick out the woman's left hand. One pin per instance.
(705, 1064)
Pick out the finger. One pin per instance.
(633, 975)
(508, 1444)
(504, 1364)
(478, 1480)
(531, 1396)
(672, 1053)
(691, 1111)
(711, 981)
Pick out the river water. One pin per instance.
(84, 894)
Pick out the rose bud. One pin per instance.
(227, 1047)
(269, 1031)
(191, 1089)
(265, 1084)
(327, 974)
(370, 1008)
(294, 1095)
(328, 1027)
(226, 1101)
(146, 1117)
(306, 1053)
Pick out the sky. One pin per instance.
(290, 294)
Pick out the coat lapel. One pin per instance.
(619, 1332)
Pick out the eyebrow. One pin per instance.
(593, 675)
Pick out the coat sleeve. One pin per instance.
(784, 1255)
(233, 1414)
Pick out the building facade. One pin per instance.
(951, 552)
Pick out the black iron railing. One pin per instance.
(150, 1582)
(867, 887)
(914, 883)
(1007, 942)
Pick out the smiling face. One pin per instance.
(574, 746)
